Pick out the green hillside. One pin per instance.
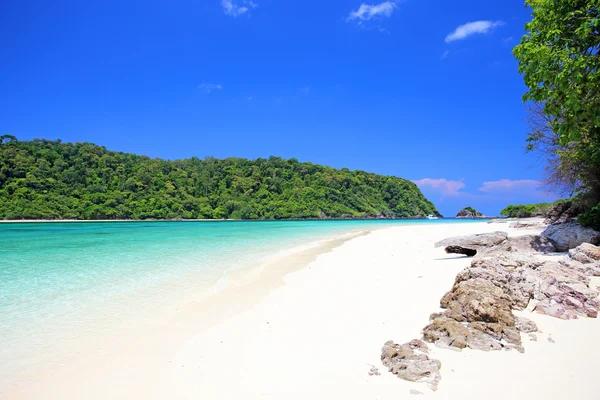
(43, 179)
(528, 210)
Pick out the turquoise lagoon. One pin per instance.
(63, 282)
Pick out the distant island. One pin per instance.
(469, 212)
(43, 179)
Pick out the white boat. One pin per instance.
(431, 216)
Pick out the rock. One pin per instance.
(411, 362)
(557, 211)
(374, 371)
(569, 235)
(475, 241)
(563, 212)
(462, 244)
(526, 225)
(478, 315)
(469, 212)
(479, 300)
(491, 245)
(533, 337)
(526, 325)
(521, 244)
(585, 253)
(513, 272)
(460, 250)
(563, 291)
(550, 339)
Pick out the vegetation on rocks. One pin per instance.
(44, 179)
(469, 212)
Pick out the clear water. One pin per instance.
(61, 282)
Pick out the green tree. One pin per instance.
(560, 63)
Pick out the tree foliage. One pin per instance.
(560, 63)
(43, 179)
(528, 210)
(559, 60)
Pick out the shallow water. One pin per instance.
(63, 282)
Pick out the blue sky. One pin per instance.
(428, 91)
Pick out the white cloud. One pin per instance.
(237, 7)
(368, 12)
(472, 28)
(209, 87)
(444, 186)
(446, 54)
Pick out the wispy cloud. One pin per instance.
(236, 8)
(305, 90)
(368, 12)
(446, 54)
(444, 186)
(472, 28)
(209, 87)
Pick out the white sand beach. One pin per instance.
(315, 332)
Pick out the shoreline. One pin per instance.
(57, 221)
(320, 328)
(234, 292)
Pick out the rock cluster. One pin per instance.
(505, 275)
(478, 309)
(478, 315)
(411, 362)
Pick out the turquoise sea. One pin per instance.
(62, 282)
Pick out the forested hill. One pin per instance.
(43, 179)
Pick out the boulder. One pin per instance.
(521, 244)
(585, 253)
(526, 225)
(563, 291)
(563, 212)
(478, 315)
(411, 362)
(569, 235)
(512, 272)
(557, 211)
(526, 325)
(479, 300)
(488, 244)
(462, 244)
